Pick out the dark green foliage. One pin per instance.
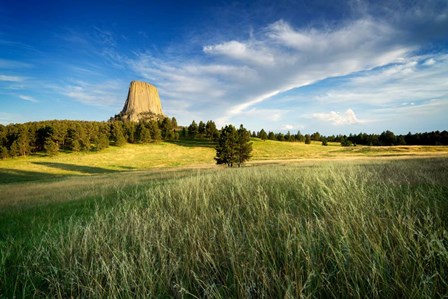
(155, 132)
(280, 137)
(167, 129)
(102, 142)
(263, 135)
(193, 130)
(3, 152)
(346, 142)
(14, 150)
(143, 135)
(271, 136)
(130, 131)
(244, 147)
(315, 136)
(387, 138)
(117, 135)
(226, 150)
(324, 141)
(201, 129)
(51, 147)
(234, 146)
(307, 139)
(211, 132)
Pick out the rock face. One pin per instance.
(143, 103)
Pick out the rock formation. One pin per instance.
(143, 103)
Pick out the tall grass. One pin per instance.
(374, 230)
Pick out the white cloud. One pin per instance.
(287, 127)
(245, 52)
(336, 118)
(103, 94)
(236, 76)
(28, 98)
(11, 78)
(412, 79)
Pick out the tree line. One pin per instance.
(54, 136)
(386, 138)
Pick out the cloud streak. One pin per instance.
(237, 75)
(28, 98)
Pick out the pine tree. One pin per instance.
(117, 135)
(244, 148)
(4, 152)
(226, 149)
(51, 147)
(211, 132)
(23, 141)
(193, 130)
(263, 135)
(102, 142)
(155, 131)
(201, 129)
(307, 139)
(143, 134)
(234, 146)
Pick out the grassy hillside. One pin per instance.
(184, 154)
(339, 229)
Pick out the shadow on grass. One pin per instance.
(194, 143)
(78, 168)
(11, 176)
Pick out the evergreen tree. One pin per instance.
(102, 142)
(300, 137)
(117, 135)
(23, 141)
(143, 134)
(201, 129)
(4, 152)
(234, 146)
(307, 139)
(14, 150)
(51, 147)
(75, 145)
(193, 130)
(167, 129)
(211, 132)
(155, 131)
(271, 136)
(183, 132)
(226, 149)
(174, 123)
(263, 135)
(244, 148)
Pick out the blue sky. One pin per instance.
(328, 66)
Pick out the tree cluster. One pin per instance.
(386, 138)
(76, 136)
(234, 146)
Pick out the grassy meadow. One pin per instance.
(161, 220)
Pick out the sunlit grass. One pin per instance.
(185, 154)
(369, 230)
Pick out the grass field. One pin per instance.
(162, 221)
(186, 154)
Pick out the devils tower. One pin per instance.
(142, 103)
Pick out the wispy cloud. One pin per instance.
(237, 75)
(28, 98)
(11, 78)
(103, 94)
